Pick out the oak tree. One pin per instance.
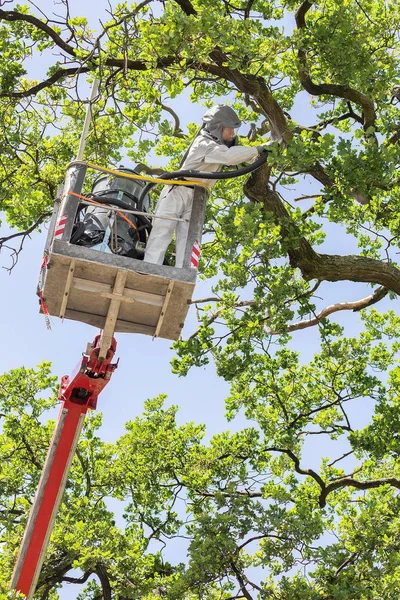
(321, 80)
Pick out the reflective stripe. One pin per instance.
(60, 226)
(194, 261)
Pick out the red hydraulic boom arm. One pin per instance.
(78, 393)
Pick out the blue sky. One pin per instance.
(144, 369)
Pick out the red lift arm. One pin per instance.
(78, 393)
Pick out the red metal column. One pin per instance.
(78, 393)
(48, 498)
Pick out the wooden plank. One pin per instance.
(67, 288)
(112, 314)
(177, 309)
(105, 290)
(164, 308)
(54, 285)
(98, 322)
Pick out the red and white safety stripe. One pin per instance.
(43, 305)
(194, 261)
(60, 226)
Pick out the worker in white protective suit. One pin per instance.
(212, 148)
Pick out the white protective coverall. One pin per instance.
(207, 153)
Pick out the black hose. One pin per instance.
(205, 175)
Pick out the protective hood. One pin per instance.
(216, 119)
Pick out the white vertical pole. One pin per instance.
(88, 118)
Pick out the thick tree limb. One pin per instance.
(330, 89)
(360, 485)
(102, 574)
(14, 15)
(256, 87)
(297, 467)
(355, 306)
(187, 7)
(57, 573)
(248, 9)
(332, 267)
(318, 172)
(325, 267)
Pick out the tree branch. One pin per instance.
(187, 7)
(217, 313)
(297, 467)
(248, 8)
(325, 267)
(15, 252)
(358, 305)
(101, 572)
(394, 138)
(14, 15)
(82, 579)
(349, 115)
(330, 89)
(241, 581)
(31, 453)
(345, 455)
(254, 86)
(326, 489)
(57, 76)
(85, 472)
(8, 238)
(346, 563)
(360, 485)
(142, 168)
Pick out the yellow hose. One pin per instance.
(139, 177)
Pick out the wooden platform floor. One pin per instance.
(116, 296)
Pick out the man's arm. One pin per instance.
(216, 153)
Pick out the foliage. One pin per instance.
(319, 78)
(242, 501)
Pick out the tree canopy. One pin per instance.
(322, 80)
